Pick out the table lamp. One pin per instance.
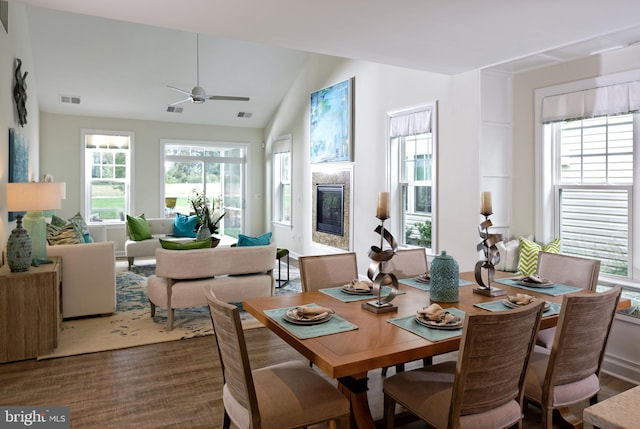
(29, 243)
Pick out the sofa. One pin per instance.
(88, 275)
(160, 228)
(234, 274)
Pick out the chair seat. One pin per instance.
(427, 393)
(289, 394)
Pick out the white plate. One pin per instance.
(435, 325)
(421, 279)
(514, 305)
(296, 321)
(353, 291)
(529, 283)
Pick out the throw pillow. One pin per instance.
(261, 240)
(528, 263)
(138, 228)
(508, 256)
(58, 221)
(68, 234)
(184, 226)
(174, 245)
(82, 226)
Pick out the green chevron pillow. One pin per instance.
(528, 262)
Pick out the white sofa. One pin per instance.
(88, 275)
(234, 273)
(160, 228)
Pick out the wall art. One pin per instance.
(331, 116)
(18, 161)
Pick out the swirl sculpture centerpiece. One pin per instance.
(488, 247)
(379, 257)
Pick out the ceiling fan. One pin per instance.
(198, 95)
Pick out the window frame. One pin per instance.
(280, 145)
(85, 197)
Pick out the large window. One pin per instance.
(215, 169)
(281, 194)
(412, 166)
(107, 173)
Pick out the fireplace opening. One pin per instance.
(330, 209)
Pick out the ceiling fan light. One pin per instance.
(198, 100)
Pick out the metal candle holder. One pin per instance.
(377, 275)
(491, 257)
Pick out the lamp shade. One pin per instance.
(34, 196)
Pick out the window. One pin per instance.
(589, 135)
(281, 195)
(412, 166)
(107, 173)
(215, 169)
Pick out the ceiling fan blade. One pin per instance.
(179, 90)
(227, 98)
(180, 102)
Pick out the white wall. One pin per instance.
(380, 89)
(61, 151)
(16, 44)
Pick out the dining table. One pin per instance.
(365, 340)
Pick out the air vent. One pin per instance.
(69, 99)
(174, 109)
(245, 114)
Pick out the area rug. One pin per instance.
(132, 325)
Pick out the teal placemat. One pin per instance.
(338, 293)
(554, 308)
(427, 286)
(410, 324)
(555, 290)
(335, 325)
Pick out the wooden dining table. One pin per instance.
(376, 343)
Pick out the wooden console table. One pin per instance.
(30, 313)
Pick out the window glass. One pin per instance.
(281, 192)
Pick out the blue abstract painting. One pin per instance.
(331, 123)
(18, 161)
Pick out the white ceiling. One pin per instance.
(119, 56)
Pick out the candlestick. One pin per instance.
(485, 204)
(382, 211)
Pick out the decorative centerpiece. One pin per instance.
(444, 279)
(206, 226)
(379, 256)
(488, 247)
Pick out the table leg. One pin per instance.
(355, 388)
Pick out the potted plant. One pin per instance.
(200, 204)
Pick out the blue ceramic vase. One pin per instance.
(444, 279)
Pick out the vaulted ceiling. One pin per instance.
(119, 56)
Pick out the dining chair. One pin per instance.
(323, 271)
(569, 270)
(484, 387)
(285, 395)
(569, 372)
(408, 263)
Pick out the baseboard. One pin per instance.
(621, 368)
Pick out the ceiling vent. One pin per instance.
(174, 109)
(245, 115)
(68, 99)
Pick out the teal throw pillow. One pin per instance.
(138, 228)
(261, 240)
(174, 245)
(184, 226)
(58, 221)
(78, 221)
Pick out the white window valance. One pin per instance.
(606, 100)
(281, 145)
(410, 124)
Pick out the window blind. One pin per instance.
(410, 124)
(607, 100)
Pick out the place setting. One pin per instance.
(423, 282)
(433, 322)
(516, 301)
(356, 290)
(310, 320)
(536, 283)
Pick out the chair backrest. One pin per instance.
(493, 359)
(581, 338)
(234, 359)
(322, 271)
(407, 263)
(569, 270)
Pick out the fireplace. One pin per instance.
(330, 208)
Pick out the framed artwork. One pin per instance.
(4, 15)
(331, 115)
(18, 161)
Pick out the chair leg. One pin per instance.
(170, 314)
(130, 261)
(153, 310)
(389, 412)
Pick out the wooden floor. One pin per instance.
(169, 385)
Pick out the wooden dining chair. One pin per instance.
(484, 387)
(569, 270)
(408, 263)
(285, 395)
(569, 373)
(322, 271)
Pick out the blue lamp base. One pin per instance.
(19, 248)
